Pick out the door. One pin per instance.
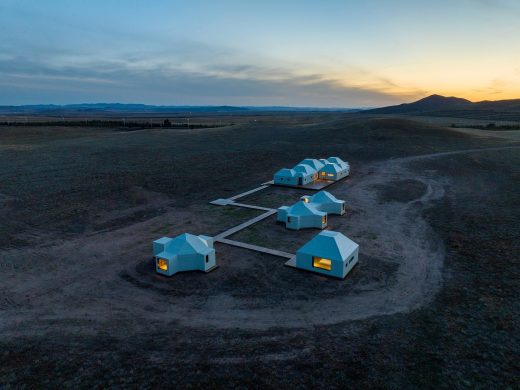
(299, 181)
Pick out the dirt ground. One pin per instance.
(432, 303)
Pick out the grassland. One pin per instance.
(432, 304)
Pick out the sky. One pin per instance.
(327, 53)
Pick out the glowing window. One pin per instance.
(330, 174)
(323, 174)
(162, 264)
(324, 219)
(306, 200)
(319, 262)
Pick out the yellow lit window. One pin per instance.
(323, 174)
(319, 262)
(306, 200)
(162, 264)
(324, 219)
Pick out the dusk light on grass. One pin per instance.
(259, 194)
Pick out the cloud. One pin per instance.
(188, 74)
(86, 59)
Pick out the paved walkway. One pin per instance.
(237, 228)
(317, 185)
(221, 202)
(256, 248)
(250, 206)
(229, 202)
(248, 192)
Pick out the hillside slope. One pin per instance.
(436, 105)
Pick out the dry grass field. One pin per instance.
(432, 303)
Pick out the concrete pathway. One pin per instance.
(256, 248)
(229, 202)
(221, 202)
(250, 206)
(317, 185)
(249, 192)
(237, 228)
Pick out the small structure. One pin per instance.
(325, 201)
(302, 215)
(286, 177)
(328, 253)
(185, 252)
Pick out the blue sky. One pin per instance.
(300, 53)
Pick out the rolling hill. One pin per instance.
(437, 105)
(118, 109)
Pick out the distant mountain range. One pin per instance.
(100, 109)
(436, 105)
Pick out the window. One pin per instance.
(319, 262)
(324, 219)
(288, 219)
(207, 259)
(306, 200)
(323, 174)
(330, 174)
(162, 264)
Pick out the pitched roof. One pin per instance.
(314, 163)
(330, 245)
(331, 168)
(302, 208)
(324, 197)
(307, 169)
(185, 244)
(339, 161)
(286, 172)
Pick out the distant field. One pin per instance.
(433, 300)
(459, 122)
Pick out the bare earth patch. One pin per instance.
(399, 268)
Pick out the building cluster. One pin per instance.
(312, 169)
(328, 253)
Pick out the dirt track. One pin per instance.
(434, 210)
(391, 232)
